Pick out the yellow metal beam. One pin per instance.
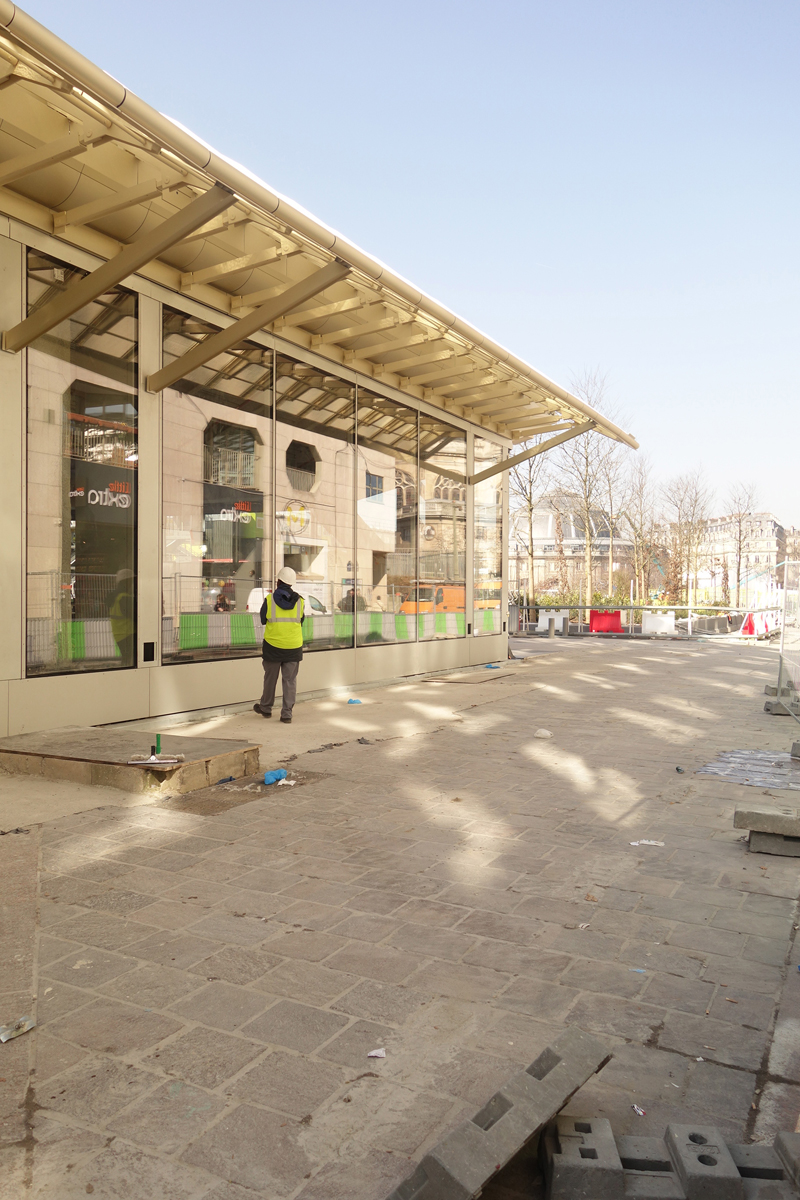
(39, 157)
(226, 339)
(129, 260)
(113, 203)
(507, 463)
(245, 262)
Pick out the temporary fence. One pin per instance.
(789, 670)
(647, 620)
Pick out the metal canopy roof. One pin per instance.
(86, 160)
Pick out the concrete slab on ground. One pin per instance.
(102, 756)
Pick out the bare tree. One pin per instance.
(641, 515)
(687, 499)
(613, 490)
(742, 499)
(529, 483)
(561, 560)
(578, 471)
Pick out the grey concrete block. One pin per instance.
(774, 843)
(768, 818)
(703, 1163)
(787, 1147)
(581, 1160)
(776, 709)
(649, 1170)
(459, 1166)
(758, 1162)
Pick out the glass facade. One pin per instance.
(441, 588)
(272, 462)
(387, 519)
(82, 456)
(488, 544)
(217, 497)
(315, 458)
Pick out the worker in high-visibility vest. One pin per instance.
(282, 648)
(121, 609)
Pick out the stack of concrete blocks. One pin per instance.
(786, 702)
(582, 1160)
(773, 829)
(463, 1162)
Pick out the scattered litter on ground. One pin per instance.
(286, 782)
(584, 926)
(365, 742)
(680, 770)
(638, 970)
(458, 800)
(491, 667)
(7, 1032)
(306, 1120)
(376, 1054)
(274, 776)
(700, 1060)
(640, 1112)
(3, 832)
(543, 733)
(592, 899)
(646, 842)
(353, 701)
(730, 1001)
(327, 746)
(227, 779)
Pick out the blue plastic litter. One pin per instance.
(492, 667)
(353, 701)
(274, 776)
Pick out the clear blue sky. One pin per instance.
(594, 183)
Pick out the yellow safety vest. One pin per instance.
(284, 631)
(121, 625)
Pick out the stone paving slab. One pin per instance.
(209, 983)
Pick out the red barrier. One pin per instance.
(605, 622)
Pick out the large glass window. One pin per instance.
(488, 554)
(82, 452)
(217, 490)
(385, 595)
(440, 588)
(315, 507)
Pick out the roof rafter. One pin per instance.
(237, 331)
(233, 266)
(39, 157)
(112, 272)
(114, 203)
(354, 331)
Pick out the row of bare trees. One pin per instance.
(611, 491)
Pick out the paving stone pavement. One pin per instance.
(208, 987)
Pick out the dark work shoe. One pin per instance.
(257, 708)
(286, 720)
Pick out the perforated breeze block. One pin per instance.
(582, 1160)
(461, 1164)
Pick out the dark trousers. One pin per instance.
(288, 672)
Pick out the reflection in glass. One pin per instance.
(385, 596)
(315, 459)
(488, 554)
(441, 587)
(82, 471)
(217, 439)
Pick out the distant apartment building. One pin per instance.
(548, 565)
(763, 547)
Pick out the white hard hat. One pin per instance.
(287, 575)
